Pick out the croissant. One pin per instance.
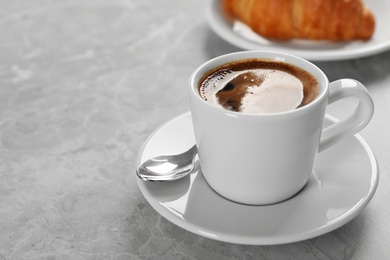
(334, 20)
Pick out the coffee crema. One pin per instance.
(258, 86)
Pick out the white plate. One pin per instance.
(344, 181)
(240, 35)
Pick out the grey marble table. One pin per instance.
(82, 85)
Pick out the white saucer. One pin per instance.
(241, 36)
(345, 179)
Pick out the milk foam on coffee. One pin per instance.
(256, 91)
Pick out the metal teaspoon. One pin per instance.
(168, 167)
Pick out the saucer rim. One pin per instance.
(250, 240)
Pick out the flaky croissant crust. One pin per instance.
(334, 20)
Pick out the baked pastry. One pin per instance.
(334, 20)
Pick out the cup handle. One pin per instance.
(354, 123)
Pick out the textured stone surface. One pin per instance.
(82, 85)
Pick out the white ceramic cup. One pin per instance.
(265, 159)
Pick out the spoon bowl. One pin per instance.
(168, 167)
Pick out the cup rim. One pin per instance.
(277, 56)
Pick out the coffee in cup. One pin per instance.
(258, 86)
